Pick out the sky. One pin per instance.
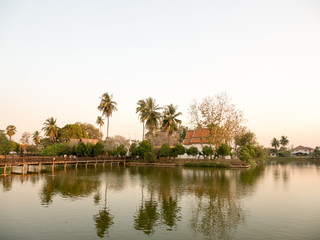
(58, 57)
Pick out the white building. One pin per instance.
(301, 150)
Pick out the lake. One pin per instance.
(275, 201)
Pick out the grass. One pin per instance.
(208, 164)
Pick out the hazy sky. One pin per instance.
(58, 57)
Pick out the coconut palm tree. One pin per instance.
(275, 143)
(284, 141)
(100, 122)
(170, 121)
(141, 109)
(11, 130)
(107, 107)
(36, 137)
(152, 115)
(51, 129)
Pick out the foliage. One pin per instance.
(275, 143)
(100, 122)
(284, 141)
(245, 138)
(36, 137)
(208, 164)
(151, 115)
(81, 149)
(180, 149)
(32, 149)
(5, 146)
(51, 129)
(170, 122)
(90, 131)
(71, 131)
(25, 138)
(165, 150)
(56, 149)
(224, 150)
(141, 109)
(182, 133)
(133, 150)
(145, 151)
(207, 151)
(316, 152)
(192, 151)
(11, 130)
(219, 116)
(161, 137)
(107, 107)
(250, 152)
(98, 149)
(122, 150)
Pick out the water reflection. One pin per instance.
(214, 197)
(104, 219)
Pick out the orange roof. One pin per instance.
(303, 148)
(198, 136)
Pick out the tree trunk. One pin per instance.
(143, 131)
(108, 128)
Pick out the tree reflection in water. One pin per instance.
(104, 219)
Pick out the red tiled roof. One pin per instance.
(197, 136)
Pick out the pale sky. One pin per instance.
(58, 57)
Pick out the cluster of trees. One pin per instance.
(282, 143)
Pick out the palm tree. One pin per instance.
(141, 109)
(11, 130)
(107, 106)
(284, 141)
(100, 122)
(36, 137)
(275, 143)
(151, 115)
(170, 121)
(51, 129)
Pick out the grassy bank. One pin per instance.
(208, 164)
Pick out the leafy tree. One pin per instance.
(141, 109)
(81, 149)
(71, 131)
(284, 141)
(5, 146)
(98, 149)
(11, 130)
(219, 116)
(180, 149)
(245, 138)
(170, 122)
(122, 151)
(152, 115)
(207, 151)
(165, 150)
(133, 150)
(224, 150)
(90, 131)
(51, 129)
(36, 137)
(192, 151)
(316, 152)
(182, 131)
(146, 151)
(32, 149)
(107, 106)
(89, 150)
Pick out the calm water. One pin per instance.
(270, 202)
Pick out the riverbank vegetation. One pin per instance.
(162, 136)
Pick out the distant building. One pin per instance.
(84, 140)
(301, 150)
(197, 138)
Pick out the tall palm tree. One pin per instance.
(107, 106)
(152, 115)
(170, 121)
(51, 129)
(11, 130)
(275, 143)
(284, 141)
(36, 137)
(141, 109)
(100, 122)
